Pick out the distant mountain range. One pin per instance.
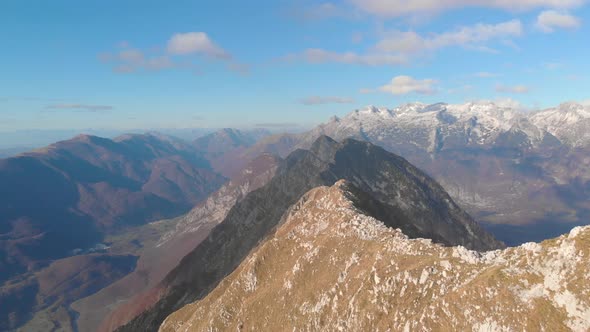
(509, 169)
(64, 199)
(93, 231)
(9, 152)
(216, 146)
(92, 199)
(27, 139)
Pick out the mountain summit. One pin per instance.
(391, 189)
(331, 266)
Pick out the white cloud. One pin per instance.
(131, 55)
(316, 55)
(520, 89)
(585, 102)
(158, 63)
(130, 60)
(397, 8)
(195, 43)
(550, 20)
(412, 42)
(318, 100)
(398, 47)
(401, 85)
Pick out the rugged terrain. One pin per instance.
(332, 266)
(525, 175)
(397, 192)
(69, 198)
(124, 299)
(519, 173)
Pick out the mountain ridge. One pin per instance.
(419, 205)
(155, 262)
(331, 266)
(91, 187)
(501, 166)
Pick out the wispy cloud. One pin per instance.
(397, 48)
(399, 8)
(402, 85)
(180, 50)
(550, 20)
(80, 107)
(319, 56)
(552, 65)
(130, 60)
(319, 100)
(467, 36)
(518, 89)
(195, 43)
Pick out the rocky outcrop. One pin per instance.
(394, 190)
(332, 266)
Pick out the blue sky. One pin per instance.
(178, 64)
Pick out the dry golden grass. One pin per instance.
(331, 268)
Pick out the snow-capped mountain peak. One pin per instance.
(438, 126)
(570, 122)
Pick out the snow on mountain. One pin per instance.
(446, 126)
(570, 122)
(414, 125)
(502, 164)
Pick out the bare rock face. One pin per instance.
(331, 266)
(525, 175)
(390, 187)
